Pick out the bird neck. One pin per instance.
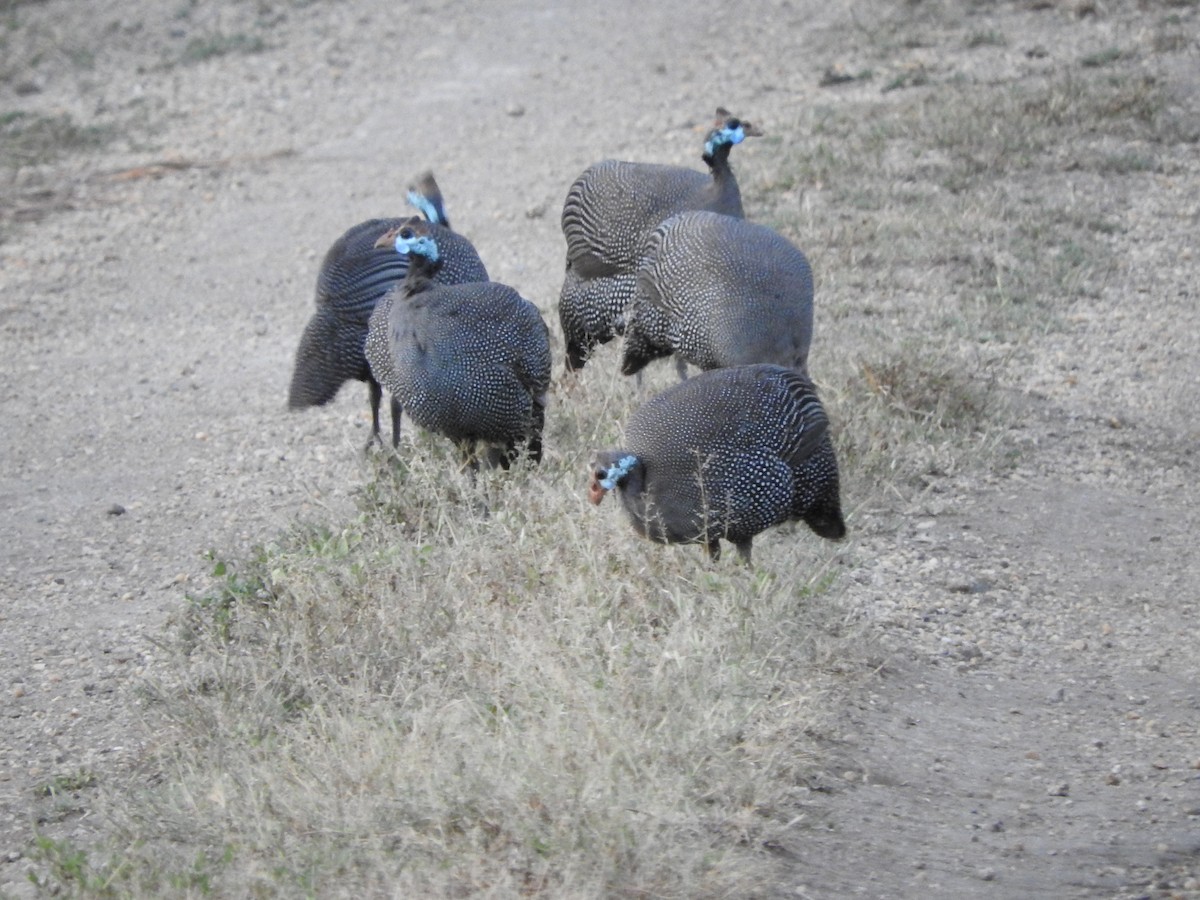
(718, 161)
(421, 272)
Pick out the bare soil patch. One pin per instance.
(1021, 718)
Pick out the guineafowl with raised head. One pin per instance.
(609, 212)
(354, 275)
(720, 291)
(726, 455)
(469, 361)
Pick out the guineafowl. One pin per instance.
(726, 454)
(609, 212)
(354, 275)
(470, 361)
(720, 291)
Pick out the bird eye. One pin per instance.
(407, 233)
(733, 124)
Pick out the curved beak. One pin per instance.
(387, 239)
(752, 130)
(595, 492)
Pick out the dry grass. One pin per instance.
(434, 701)
(455, 703)
(29, 139)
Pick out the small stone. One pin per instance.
(968, 652)
(1059, 790)
(116, 510)
(978, 586)
(1112, 779)
(516, 110)
(835, 74)
(18, 692)
(987, 874)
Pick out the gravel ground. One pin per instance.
(1035, 730)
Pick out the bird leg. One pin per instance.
(397, 411)
(376, 396)
(470, 460)
(577, 355)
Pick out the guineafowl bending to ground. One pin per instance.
(610, 211)
(470, 361)
(354, 275)
(720, 291)
(726, 454)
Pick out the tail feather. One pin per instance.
(319, 372)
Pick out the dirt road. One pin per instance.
(1035, 730)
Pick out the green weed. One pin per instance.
(32, 138)
(216, 45)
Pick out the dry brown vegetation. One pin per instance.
(434, 700)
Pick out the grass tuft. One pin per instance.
(216, 45)
(441, 696)
(32, 138)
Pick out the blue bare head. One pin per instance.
(615, 473)
(412, 238)
(416, 245)
(727, 131)
(719, 137)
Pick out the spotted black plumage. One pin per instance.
(719, 292)
(354, 275)
(609, 212)
(470, 361)
(726, 454)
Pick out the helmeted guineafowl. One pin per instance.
(354, 275)
(720, 291)
(726, 454)
(610, 211)
(470, 361)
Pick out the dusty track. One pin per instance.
(1035, 729)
